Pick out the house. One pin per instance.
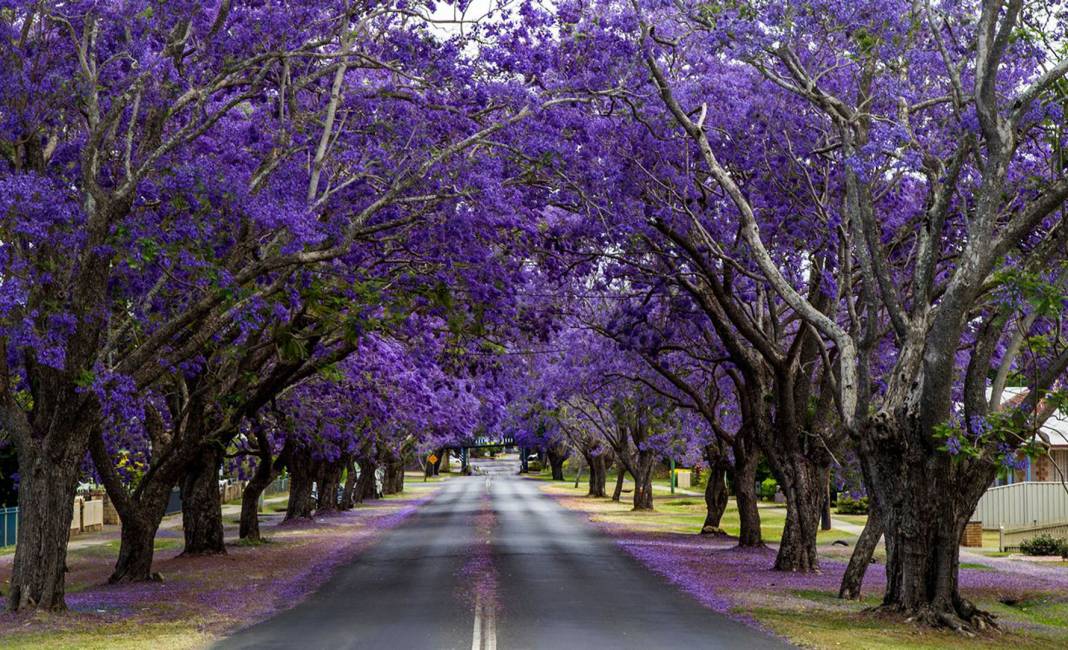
(1032, 498)
(1043, 467)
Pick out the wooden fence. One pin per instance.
(86, 516)
(1022, 504)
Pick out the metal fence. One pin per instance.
(174, 502)
(9, 526)
(1022, 504)
(1010, 539)
(278, 486)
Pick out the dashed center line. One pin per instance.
(484, 635)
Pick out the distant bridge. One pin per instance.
(481, 442)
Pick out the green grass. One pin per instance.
(1039, 610)
(177, 635)
(823, 627)
(276, 507)
(818, 619)
(685, 514)
(976, 565)
(859, 520)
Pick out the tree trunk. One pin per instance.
(715, 491)
(140, 512)
(598, 474)
(617, 493)
(348, 493)
(329, 485)
(301, 473)
(802, 484)
(853, 578)
(140, 523)
(366, 487)
(202, 522)
(136, 549)
(46, 500)
(265, 473)
(643, 481)
(393, 480)
(924, 498)
(556, 462)
(745, 467)
(825, 508)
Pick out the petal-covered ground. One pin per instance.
(201, 598)
(1030, 601)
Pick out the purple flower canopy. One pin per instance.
(797, 229)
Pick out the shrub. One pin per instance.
(850, 506)
(768, 488)
(1044, 544)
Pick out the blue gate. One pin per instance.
(9, 526)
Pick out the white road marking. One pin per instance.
(491, 629)
(484, 635)
(476, 637)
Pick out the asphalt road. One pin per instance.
(559, 584)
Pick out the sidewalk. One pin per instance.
(170, 523)
(1009, 565)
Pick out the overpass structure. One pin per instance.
(480, 442)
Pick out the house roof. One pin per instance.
(1056, 427)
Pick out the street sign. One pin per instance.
(432, 459)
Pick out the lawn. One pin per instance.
(680, 513)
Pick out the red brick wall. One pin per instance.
(973, 534)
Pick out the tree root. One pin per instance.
(714, 531)
(966, 619)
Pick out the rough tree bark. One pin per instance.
(924, 499)
(617, 493)
(825, 506)
(393, 478)
(557, 455)
(329, 485)
(853, 578)
(366, 487)
(715, 490)
(140, 513)
(46, 497)
(202, 524)
(801, 482)
(348, 492)
(746, 460)
(301, 476)
(137, 542)
(642, 471)
(267, 470)
(598, 474)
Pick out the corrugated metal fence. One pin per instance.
(1010, 539)
(1022, 504)
(9, 526)
(279, 486)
